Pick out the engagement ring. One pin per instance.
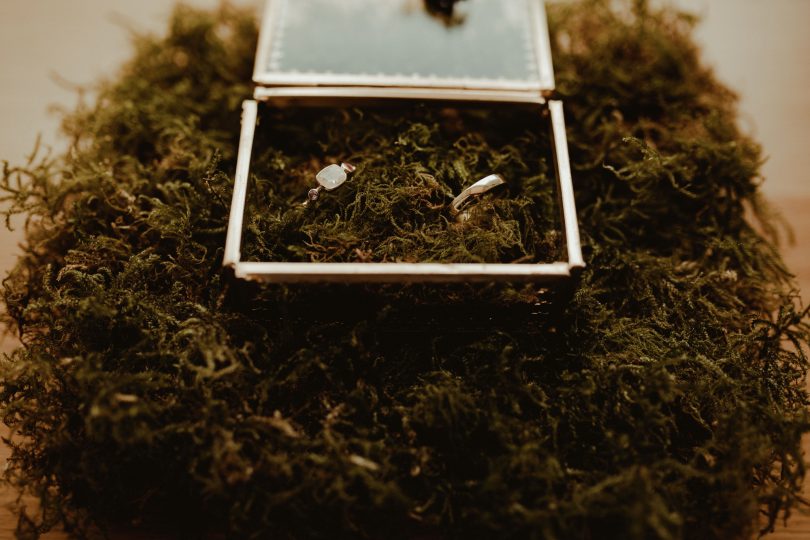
(330, 178)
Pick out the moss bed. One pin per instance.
(661, 397)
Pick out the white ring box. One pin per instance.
(350, 52)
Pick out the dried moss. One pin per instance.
(664, 399)
(411, 163)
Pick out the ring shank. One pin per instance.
(479, 188)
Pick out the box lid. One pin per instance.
(487, 45)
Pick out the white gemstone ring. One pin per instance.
(330, 178)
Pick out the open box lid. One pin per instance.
(488, 50)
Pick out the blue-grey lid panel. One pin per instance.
(486, 44)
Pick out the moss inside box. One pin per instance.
(661, 397)
(411, 162)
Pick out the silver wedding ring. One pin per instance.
(474, 191)
(329, 178)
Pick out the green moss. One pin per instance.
(663, 398)
(411, 163)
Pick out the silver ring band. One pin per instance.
(479, 188)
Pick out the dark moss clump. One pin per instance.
(664, 399)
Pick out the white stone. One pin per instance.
(331, 177)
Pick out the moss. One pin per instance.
(411, 163)
(663, 398)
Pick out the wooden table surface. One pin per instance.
(795, 209)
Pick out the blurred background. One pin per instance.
(760, 48)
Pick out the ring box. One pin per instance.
(349, 52)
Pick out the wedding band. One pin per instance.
(475, 190)
(329, 178)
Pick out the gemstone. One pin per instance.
(313, 194)
(331, 177)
